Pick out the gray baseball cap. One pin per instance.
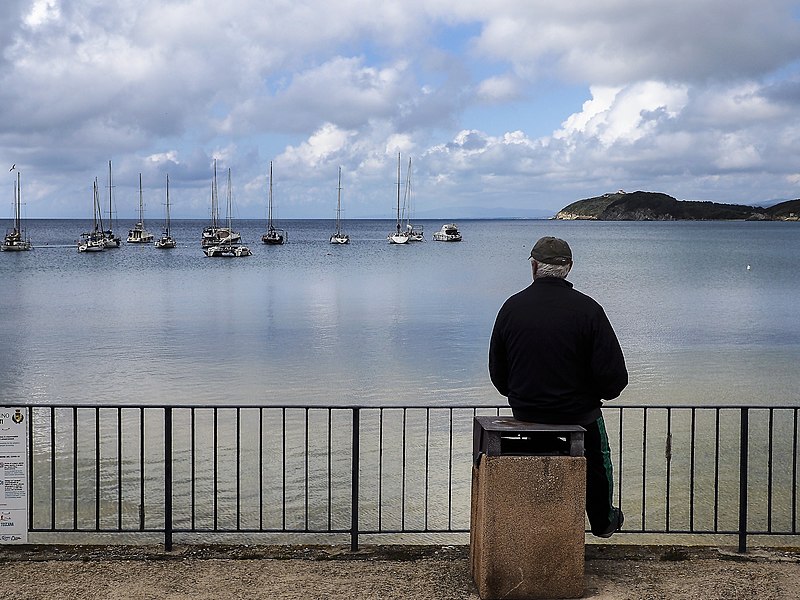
(551, 251)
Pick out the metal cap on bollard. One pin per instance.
(506, 436)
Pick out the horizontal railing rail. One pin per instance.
(400, 471)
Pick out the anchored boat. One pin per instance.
(139, 235)
(273, 236)
(166, 240)
(228, 246)
(16, 240)
(448, 233)
(339, 237)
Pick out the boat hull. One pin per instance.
(398, 238)
(340, 239)
(165, 243)
(228, 250)
(14, 242)
(17, 247)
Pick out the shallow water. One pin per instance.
(377, 324)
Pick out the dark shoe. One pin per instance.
(617, 519)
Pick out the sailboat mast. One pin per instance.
(230, 227)
(141, 205)
(269, 208)
(214, 199)
(167, 205)
(110, 209)
(339, 204)
(398, 192)
(97, 210)
(407, 196)
(17, 204)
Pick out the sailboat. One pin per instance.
(415, 234)
(339, 237)
(139, 235)
(16, 240)
(166, 240)
(273, 236)
(109, 239)
(228, 246)
(93, 241)
(214, 234)
(399, 236)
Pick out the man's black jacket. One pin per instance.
(554, 354)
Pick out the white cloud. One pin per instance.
(498, 89)
(625, 114)
(324, 143)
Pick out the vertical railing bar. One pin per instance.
(692, 443)
(403, 477)
(644, 467)
(770, 451)
(261, 468)
(620, 411)
(215, 465)
(354, 480)
(75, 468)
(450, 470)
(744, 436)
(168, 479)
(283, 473)
(717, 412)
(193, 451)
(52, 467)
(142, 512)
(238, 468)
(380, 469)
(427, 463)
(97, 468)
(794, 473)
(305, 453)
(119, 468)
(669, 468)
(330, 469)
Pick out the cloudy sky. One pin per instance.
(506, 107)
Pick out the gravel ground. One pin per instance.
(386, 572)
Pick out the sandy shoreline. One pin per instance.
(387, 572)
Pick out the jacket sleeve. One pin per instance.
(498, 359)
(608, 363)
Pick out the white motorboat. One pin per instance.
(448, 233)
(166, 240)
(273, 236)
(16, 240)
(139, 235)
(339, 237)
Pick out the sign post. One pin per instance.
(13, 476)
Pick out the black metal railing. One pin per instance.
(398, 471)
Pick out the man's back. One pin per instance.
(554, 354)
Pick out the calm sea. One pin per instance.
(706, 313)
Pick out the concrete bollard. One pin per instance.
(527, 510)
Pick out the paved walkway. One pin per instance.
(385, 572)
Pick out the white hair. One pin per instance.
(547, 270)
